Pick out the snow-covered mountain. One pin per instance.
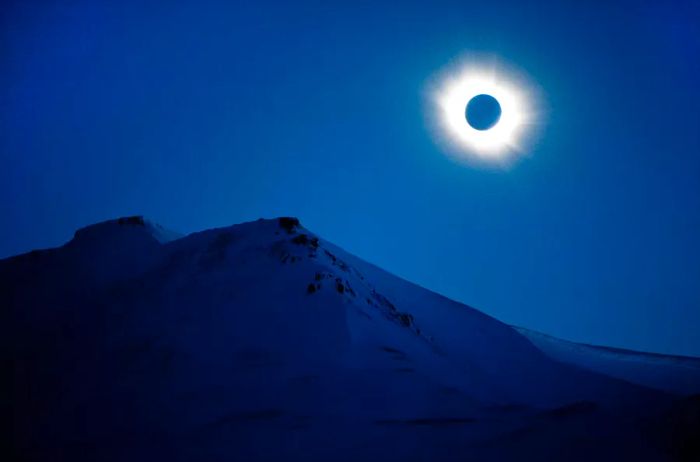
(262, 341)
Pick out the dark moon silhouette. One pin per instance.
(483, 112)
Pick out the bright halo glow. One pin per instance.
(454, 88)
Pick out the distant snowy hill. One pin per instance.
(675, 374)
(262, 341)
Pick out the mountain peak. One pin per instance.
(289, 224)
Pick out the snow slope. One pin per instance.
(261, 341)
(675, 374)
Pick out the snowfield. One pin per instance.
(675, 374)
(262, 341)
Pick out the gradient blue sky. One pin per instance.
(201, 114)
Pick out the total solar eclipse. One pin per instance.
(482, 110)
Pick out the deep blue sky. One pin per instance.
(200, 116)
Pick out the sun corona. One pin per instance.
(500, 141)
